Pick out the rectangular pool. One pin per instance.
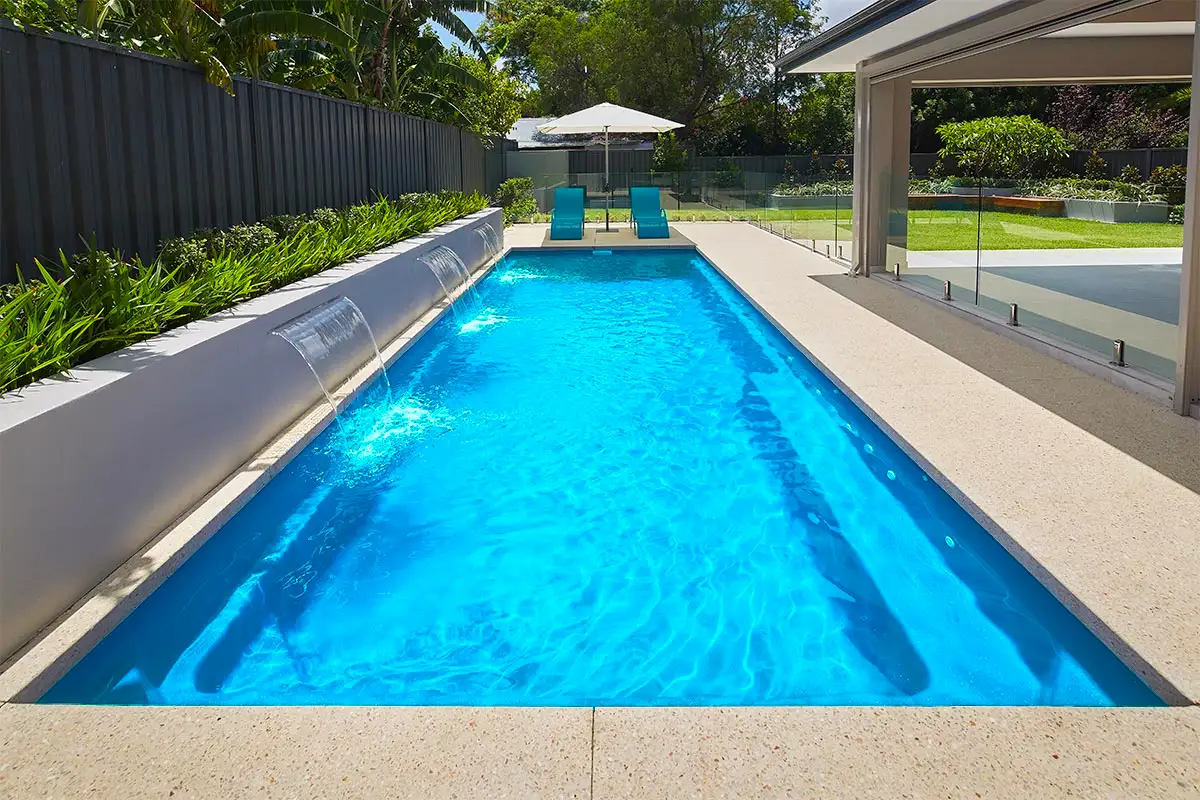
(611, 482)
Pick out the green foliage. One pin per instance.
(1096, 167)
(669, 154)
(375, 51)
(1171, 181)
(813, 189)
(1092, 189)
(104, 302)
(1130, 174)
(676, 60)
(1175, 216)
(823, 117)
(1004, 147)
(515, 196)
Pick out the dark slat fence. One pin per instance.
(134, 149)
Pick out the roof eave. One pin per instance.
(870, 18)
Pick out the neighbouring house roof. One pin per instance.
(525, 133)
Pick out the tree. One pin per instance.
(1098, 119)
(488, 106)
(680, 59)
(824, 116)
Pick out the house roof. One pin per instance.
(879, 27)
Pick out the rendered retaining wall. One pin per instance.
(1117, 211)
(93, 467)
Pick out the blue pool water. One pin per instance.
(614, 483)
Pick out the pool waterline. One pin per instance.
(879, 643)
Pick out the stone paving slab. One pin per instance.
(299, 752)
(860, 753)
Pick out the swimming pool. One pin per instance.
(612, 483)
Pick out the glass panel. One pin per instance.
(940, 241)
(1088, 269)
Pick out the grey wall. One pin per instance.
(94, 467)
(137, 149)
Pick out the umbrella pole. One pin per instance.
(607, 185)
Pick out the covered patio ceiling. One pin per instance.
(1008, 42)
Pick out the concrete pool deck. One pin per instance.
(1096, 489)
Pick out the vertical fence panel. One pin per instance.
(136, 149)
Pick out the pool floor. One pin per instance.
(609, 481)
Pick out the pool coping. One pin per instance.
(36, 666)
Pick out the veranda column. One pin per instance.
(1187, 365)
(882, 121)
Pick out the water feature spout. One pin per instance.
(449, 270)
(323, 333)
(491, 240)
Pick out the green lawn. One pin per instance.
(956, 230)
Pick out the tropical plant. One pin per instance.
(103, 301)
(1095, 168)
(515, 196)
(1004, 147)
(1130, 174)
(1171, 181)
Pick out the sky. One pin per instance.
(835, 10)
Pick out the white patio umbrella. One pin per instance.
(608, 118)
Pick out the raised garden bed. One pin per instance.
(1117, 210)
(98, 464)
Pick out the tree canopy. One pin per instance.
(681, 59)
(381, 52)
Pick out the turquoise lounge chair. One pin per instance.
(649, 220)
(566, 221)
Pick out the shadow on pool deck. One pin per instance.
(1135, 425)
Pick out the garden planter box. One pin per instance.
(814, 201)
(986, 191)
(1037, 206)
(93, 467)
(1117, 211)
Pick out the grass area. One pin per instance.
(940, 230)
(101, 302)
(956, 230)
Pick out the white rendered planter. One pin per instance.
(92, 467)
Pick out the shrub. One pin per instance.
(1095, 167)
(243, 239)
(1130, 174)
(1004, 147)
(184, 254)
(285, 225)
(669, 154)
(822, 188)
(1175, 215)
(325, 217)
(1171, 181)
(1088, 189)
(104, 302)
(515, 196)
(814, 163)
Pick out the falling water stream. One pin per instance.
(491, 239)
(322, 334)
(449, 270)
